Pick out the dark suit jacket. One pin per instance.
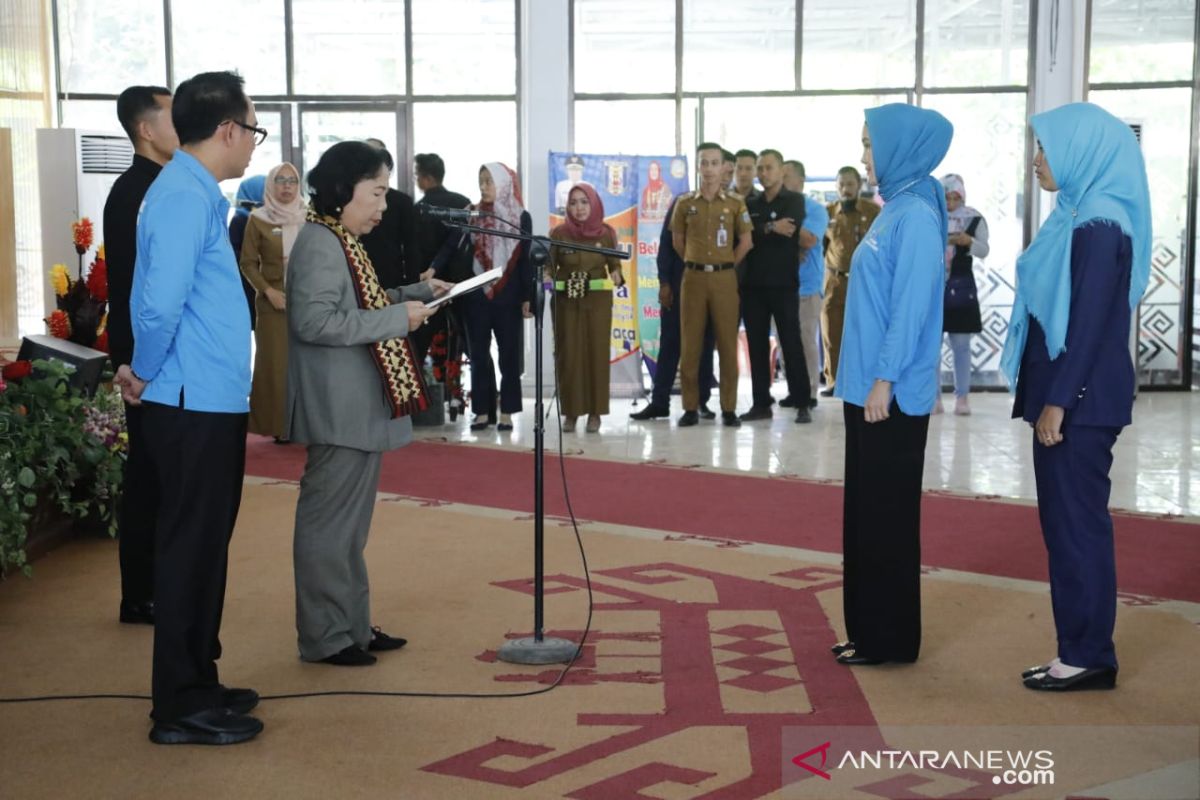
(393, 245)
(670, 263)
(1094, 377)
(120, 251)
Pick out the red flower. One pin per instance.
(59, 323)
(102, 342)
(97, 280)
(15, 370)
(81, 231)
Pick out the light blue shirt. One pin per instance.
(812, 268)
(191, 324)
(893, 325)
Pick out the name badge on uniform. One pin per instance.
(722, 236)
(692, 211)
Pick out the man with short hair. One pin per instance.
(145, 114)
(850, 217)
(769, 289)
(704, 227)
(745, 166)
(812, 263)
(191, 374)
(728, 165)
(394, 244)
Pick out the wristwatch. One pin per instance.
(771, 226)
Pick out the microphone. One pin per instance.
(437, 212)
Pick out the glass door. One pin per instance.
(325, 124)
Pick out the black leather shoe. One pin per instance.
(706, 412)
(851, 658)
(756, 413)
(826, 392)
(137, 613)
(1029, 673)
(481, 423)
(803, 416)
(239, 701)
(730, 419)
(350, 656)
(788, 402)
(688, 419)
(210, 726)
(1096, 678)
(651, 411)
(812, 402)
(381, 642)
(841, 647)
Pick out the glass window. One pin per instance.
(465, 47)
(107, 45)
(24, 40)
(1149, 40)
(624, 46)
(981, 43)
(322, 128)
(989, 152)
(848, 50)
(266, 155)
(1164, 116)
(24, 117)
(355, 49)
(734, 46)
(823, 132)
(637, 127)
(231, 34)
(91, 115)
(466, 135)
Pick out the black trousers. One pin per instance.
(881, 533)
(138, 513)
(759, 305)
(200, 459)
(484, 318)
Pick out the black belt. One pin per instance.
(844, 274)
(707, 267)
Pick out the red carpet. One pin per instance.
(1155, 557)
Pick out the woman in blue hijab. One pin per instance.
(888, 380)
(1067, 356)
(249, 197)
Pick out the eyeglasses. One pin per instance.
(281, 180)
(260, 134)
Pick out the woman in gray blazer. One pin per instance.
(352, 384)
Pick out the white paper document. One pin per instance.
(468, 286)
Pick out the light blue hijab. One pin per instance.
(908, 143)
(250, 191)
(1096, 160)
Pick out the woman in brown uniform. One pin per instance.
(583, 301)
(270, 233)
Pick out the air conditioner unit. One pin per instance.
(76, 170)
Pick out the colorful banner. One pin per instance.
(636, 190)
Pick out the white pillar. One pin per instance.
(543, 116)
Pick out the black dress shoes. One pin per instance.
(137, 613)
(239, 701)
(211, 726)
(841, 647)
(756, 413)
(381, 642)
(789, 402)
(1095, 678)
(803, 416)
(482, 423)
(1029, 673)
(688, 419)
(730, 419)
(851, 658)
(651, 411)
(706, 412)
(350, 656)
(826, 392)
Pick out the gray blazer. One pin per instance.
(335, 392)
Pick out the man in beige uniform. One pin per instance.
(850, 217)
(703, 228)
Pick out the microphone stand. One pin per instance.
(537, 649)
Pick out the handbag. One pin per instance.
(959, 292)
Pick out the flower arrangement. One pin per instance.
(60, 453)
(81, 316)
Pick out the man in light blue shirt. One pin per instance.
(191, 374)
(812, 271)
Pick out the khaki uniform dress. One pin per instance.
(582, 327)
(262, 264)
(846, 229)
(710, 288)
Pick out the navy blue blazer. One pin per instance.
(1093, 379)
(670, 265)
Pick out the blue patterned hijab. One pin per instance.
(250, 190)
(908, 143)
(1096, 160)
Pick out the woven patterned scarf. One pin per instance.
(402, 380)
